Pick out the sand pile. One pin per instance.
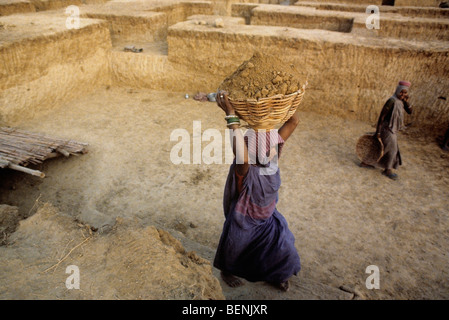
(126, 262)
(262, 76)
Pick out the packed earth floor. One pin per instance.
(344, 217)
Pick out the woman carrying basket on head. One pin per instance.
(256, 243)
(391, 120)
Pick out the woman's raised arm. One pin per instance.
(288, 127)
(237, 140)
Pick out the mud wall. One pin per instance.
(12, 7)
(44, 64)
(406, 29)
(347, 76)
(8, 7)
(416, 3)
(39, 71)
(431, 12)
(145, 26)
(296, 17)
(367, 2)
(391, 26)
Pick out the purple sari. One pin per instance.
(256, 243)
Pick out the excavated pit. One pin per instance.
(80, 84)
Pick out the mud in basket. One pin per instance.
(266, 113)
(369, 149)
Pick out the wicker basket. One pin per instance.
(369, 149)
(266, 113)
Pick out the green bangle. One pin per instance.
(231, 123)
(233, 119)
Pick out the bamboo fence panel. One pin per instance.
(19, 148)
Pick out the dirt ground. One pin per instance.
(344, 217)
(127, 261)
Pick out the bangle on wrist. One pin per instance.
(233, 119)
(231, 123)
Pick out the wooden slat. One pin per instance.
(19, 148)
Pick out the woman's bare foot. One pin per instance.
(284, 286)
(231, 280)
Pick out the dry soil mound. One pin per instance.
(128, 262)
